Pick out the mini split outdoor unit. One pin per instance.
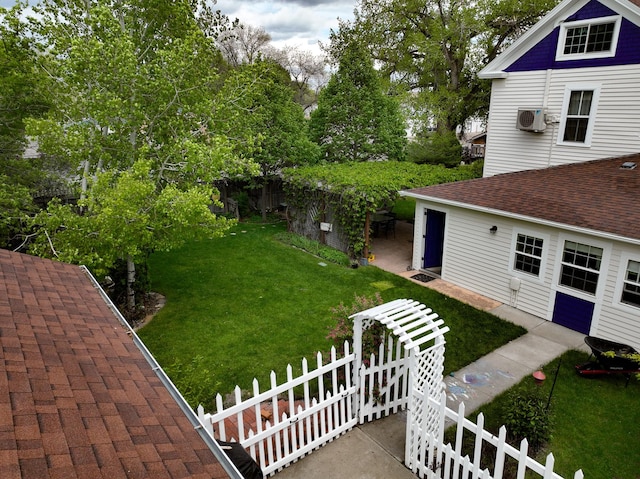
(531, 119)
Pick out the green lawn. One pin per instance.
(249, 304)
(595, 422)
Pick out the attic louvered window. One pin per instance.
(593, 38)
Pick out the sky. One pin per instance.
(299, 23)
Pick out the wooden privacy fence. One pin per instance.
(286, 422)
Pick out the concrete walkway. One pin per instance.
(376, 450)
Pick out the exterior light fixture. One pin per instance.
(493, 229)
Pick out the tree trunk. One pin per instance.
(131, 278)
(264, 201)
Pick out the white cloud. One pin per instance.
(291, 23)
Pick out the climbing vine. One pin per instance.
(352, 190)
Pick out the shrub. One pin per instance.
(194, 380)
(343, 330)
(314, 247)
(526, 416)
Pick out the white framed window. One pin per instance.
(527, 255)
(631, 284)
(627, 292)
(578, 114)
(592, 38)
(580, 266)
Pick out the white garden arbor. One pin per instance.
(411, 374)
(404, 373)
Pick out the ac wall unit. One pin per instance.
(531, 119)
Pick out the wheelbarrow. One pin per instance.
(610, 358)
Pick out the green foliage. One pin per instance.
(257, 109)
(355, 189)
(194, 380)
(355, 120)
(526, 416)
(124, 216)
(15, 205)
(438, 149)
(404, 209)
(342, 330)
(435, 49)
(20, 92)
(131, 87)
(314, 247)
(596, 420)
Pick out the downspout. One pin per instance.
(545, 104)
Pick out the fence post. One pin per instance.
(357, 351)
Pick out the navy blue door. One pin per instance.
(434, 239)
(573, 313)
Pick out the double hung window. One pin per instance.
(631, 284)
(528, 254)
(578, 114)
(577, 120)
(581, 266)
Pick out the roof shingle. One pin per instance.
(597, 195)
(77, 397)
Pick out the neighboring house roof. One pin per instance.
(78, 398)
(598, 195)
(544, 36)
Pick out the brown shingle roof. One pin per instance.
(597, 195)
(77, 397)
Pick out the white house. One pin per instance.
(577, 68)
(553, 228)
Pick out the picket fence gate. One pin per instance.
(277, 429)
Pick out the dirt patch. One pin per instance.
(154, 303)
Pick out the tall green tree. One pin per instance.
(131, 86)
(20, 98)
(355, 119)
(257, 109)
(435, 48)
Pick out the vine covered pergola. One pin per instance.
(354, 191)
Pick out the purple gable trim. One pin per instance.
(542, 55)
(593, 9)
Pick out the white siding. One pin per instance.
(617, 123)
(479, 261)
(618, 322)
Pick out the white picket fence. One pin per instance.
(384, 383)
(279, 426)
(277, 429)
(439, 460)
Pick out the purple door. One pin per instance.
(573, 313)
(433, 239)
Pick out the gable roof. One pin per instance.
(78, 398)
(629, 9)
(598, 196)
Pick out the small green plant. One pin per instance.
(526, 416)
(343, 329)
(194, 381)
(314, 247)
